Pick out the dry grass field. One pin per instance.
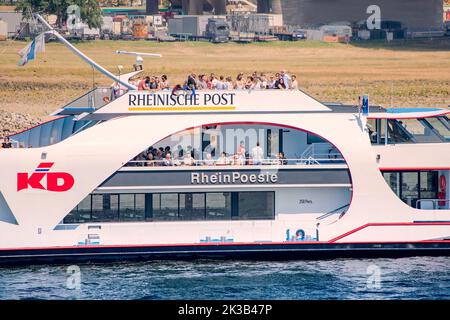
(408, 74)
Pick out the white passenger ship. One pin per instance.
(83, 187)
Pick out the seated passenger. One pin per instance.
(283, 159)
(294, 83)
(223, 160)
(192, 81)
(115, 91)
(167, 160)
(201, 83)
(150, 160)
(240, 83)
(220, 84)
(209, 160)
(143, 84)
(176, 160)
(6, 143)
(228, 84)
(188, 160)
(164, 84)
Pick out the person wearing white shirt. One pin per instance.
(294, 83)
(257, 154)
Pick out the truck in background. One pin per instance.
(217, 30)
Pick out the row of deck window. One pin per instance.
(413, 187)
(174, 207)
(392, 131)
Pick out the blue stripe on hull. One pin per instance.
(253, 252)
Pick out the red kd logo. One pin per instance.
(56, 181)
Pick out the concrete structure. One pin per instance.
(13, 19)
(269, 6)
(420, 15)
(151, 7)
(416, 15)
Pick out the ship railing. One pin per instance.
(432, 204)
(339, 210)
(215, 163)
(320, 150)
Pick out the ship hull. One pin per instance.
(253, 251)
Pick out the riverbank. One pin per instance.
(398, 74)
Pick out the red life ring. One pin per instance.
(442, 192)
(442, 183)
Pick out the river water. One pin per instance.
(405, 278)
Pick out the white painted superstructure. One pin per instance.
(347, 180)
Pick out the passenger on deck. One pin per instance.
(115, 91)
(179, 152)
(222, 160)
(202, 84)
(286, 79)
(241, 150)
(294, 83)
(150, 160)
(239, 84)
(164, 84)
(282, 84)
(188, 160)
(158, 156)
(192, 81)
(6, 143)
(209, 161)
(167, 160)
(280, 159)
(271, 84)
(213, 82)
(228, 85)
(143, 84)
(153, 84)
(257, 155)
(220, 85)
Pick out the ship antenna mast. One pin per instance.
(82, 55)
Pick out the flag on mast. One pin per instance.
(29, 52)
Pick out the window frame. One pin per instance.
(148, 214)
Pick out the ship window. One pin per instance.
(128, 210)
(372, 130)
(256, 205)
(428, 184)
(165, 207)
(397, 133)
(412, 186)
(140, 205)
(192, 206)
(218, 206)
(441, 125)
(174, 207)
(105, 207)
(312, 138)
(110, 207)
(393, 180)
(421, 130)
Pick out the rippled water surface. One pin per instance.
(406, 278)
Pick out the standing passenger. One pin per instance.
(257, 154)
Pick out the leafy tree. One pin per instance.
(90, 12)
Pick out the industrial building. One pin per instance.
(415, 15)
